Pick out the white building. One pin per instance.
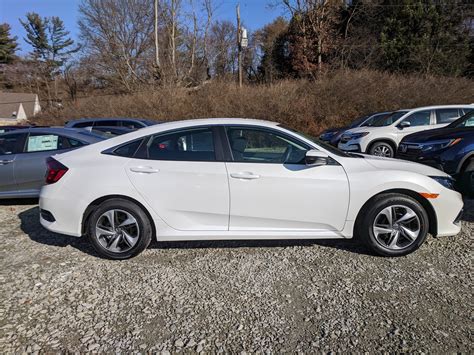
(18, 106)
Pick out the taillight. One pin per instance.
(55, 171)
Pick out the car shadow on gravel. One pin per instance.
(31, 226)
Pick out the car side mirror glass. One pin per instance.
(404, 124)
(316, 158)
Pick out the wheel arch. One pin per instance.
(463, 164)
(392, 143)
(94, 204)
(432, 217)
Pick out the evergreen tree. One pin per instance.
(48, 37)
(8, 44)
(424, 36)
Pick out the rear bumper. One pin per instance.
(66, 214)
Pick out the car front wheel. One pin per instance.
(393, 225)
(119, 229)
(382, 149)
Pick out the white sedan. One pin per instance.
(241, 179)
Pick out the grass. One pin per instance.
(309, 106)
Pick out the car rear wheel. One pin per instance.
(393, 225)
(382, 149)
(119, 229)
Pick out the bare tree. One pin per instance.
(119, 34)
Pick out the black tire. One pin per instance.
(365, 224)
(466, 179)
(143, 229)
(377, 147)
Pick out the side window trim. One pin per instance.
(141, 152)
(264, 129)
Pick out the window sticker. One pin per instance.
(41, 143)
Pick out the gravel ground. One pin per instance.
(56, 294)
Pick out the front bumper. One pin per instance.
(448, 208)
(350, 146)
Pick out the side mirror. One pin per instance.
(316, 158)
(404, 124)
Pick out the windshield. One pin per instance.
(358, 121)
(375, 117)
(326, 146)
(383, 121)
(465, 121)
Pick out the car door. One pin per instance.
(272, 189)
(10, 145)
(182, 176)
(30, 165)
(419, 121)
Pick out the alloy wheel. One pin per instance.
(382, 151)
(396, 227)
(117, 230)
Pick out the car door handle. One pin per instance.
(5, 162)
(144, 170)
(245, 176)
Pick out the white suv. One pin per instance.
(383, 135)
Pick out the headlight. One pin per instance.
(358, 135)
(446, 181)
(438, 145)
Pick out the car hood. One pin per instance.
(397, 164)
(363, 129)
(333, 130)
(439, 134)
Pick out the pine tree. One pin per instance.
(48, 37)
(8, 44)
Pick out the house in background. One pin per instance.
(18, 106)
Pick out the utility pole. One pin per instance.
(239, 44)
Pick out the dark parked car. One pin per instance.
(333, 135)
(23, 156)
(109, 132)
(450, 149)
(131, 123)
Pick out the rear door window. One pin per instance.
(40, 142)
(195, 144)
(447, 115)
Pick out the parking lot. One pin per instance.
(56, 294)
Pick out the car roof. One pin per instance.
(110, 118)
(80, 134)
(434, 107)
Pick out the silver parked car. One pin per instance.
(23, 156)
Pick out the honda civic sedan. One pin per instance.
(217, 179)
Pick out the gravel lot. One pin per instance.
(56, 294)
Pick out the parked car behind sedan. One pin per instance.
(333, 135)
(450, 149)
(23, 156)
(213, 179)
(131, 123)
(383, 135)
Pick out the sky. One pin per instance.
(254, 14)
